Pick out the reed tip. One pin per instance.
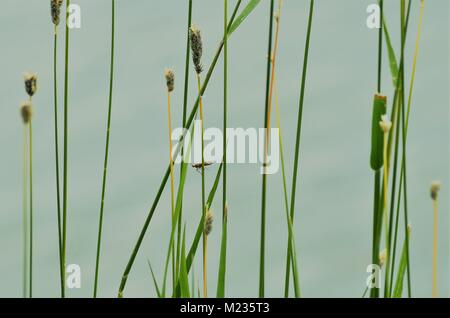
(196, 47)
(30, 83)
(170, 79)
(55, 10)
(434, 189)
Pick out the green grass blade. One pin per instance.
(391, 54)
(244, 14)
(184, 280)
(158, 292)
(398, 291)
(185, 102)
(291, 238)
(223, 244)
(223, 258)
(298, 134)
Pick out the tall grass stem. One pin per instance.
(105, 164)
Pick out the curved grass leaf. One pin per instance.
(158, 292)
(244, 14)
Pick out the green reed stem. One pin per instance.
(291, 238)
(185, 101)
(298, 137)
(264, 177)
(223, 246)
(375, 244)
(66, 117)
(380, 46)
(167, 172)
(205, 237)
(374, 292)
(105, 164)
(405, 196)
(58, 191)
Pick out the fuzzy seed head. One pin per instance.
(30, 83)
(385, 124)
(434, 189)
(196, 48)
(382, 257)
(55, 10)
(26, 111)
(170, 79)
(209, 219)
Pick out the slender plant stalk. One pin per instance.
(403, 111)
(31, 208)
(298, 138)
(165, 178)
(273, 59)
(58, 192)
(205, 237)
(185, 101)
(395, 117)
(374, 292)
(223, 246)
(385, 210)
(172, 183)
(291, 240)
(264, 177)
(25, 213)
(105, 164)
(435, 248)
(65, 169)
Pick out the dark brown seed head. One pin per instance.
(208, 222)
(30, 83)
(434, 190)
(196, 48)
(26, 111)
(55, 10)
(170, 79)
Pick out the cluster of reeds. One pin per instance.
(388, 161)
(388, 148)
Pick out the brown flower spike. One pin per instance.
(30, 83)
(55, 10)
(197, 48)
(170, 79)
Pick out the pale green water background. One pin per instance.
(334, 210)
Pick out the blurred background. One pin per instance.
(334, 200)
